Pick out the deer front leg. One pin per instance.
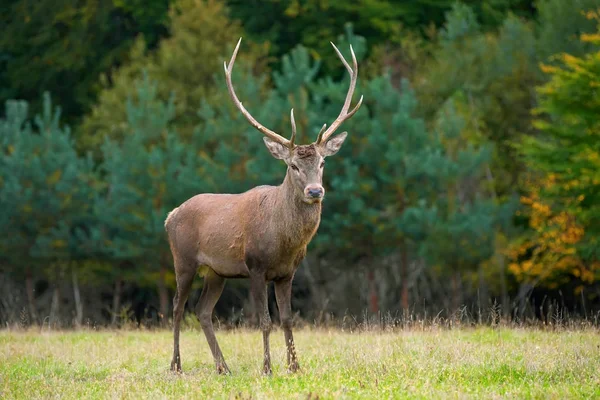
(283, 293)
(258, 287)
(213, 287)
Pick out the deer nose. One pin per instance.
(315, 192)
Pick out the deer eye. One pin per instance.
(294, 167)
(322, 163)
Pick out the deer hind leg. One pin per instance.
(283, 293)
(258, 288)
(184, 278)
(213, 287)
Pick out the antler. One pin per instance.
(344, 114)
(265, 131)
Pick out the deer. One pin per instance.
(261, 234)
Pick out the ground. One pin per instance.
(431, 363)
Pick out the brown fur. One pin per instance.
(261, 234)
(220, 231)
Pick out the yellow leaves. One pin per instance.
(54, 177)
(592, 14)
(571, 61)
(515, 268)
(548, 69)
(550, 250)
(587, 275)
(556, 203)
(526, 200)
(590, 37)
(541, 208)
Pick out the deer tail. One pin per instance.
(170, 217)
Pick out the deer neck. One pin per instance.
(295, 217)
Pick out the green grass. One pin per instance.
(436, 363)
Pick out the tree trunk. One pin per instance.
(116, 303)
(456, 292)
(501, 260)
(373, 297)
(482, 295)
(77, 298)
(55, 305)
(30, 286)
(525, 290)
(403, 276)
(163, 294)
(503, 287)
(404, 261)
(319, 300)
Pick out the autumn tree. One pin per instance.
(563, 202)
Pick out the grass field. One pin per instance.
(464, 363)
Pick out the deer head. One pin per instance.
(305, 162)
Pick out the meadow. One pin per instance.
(429, 363)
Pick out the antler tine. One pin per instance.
(319, 136)
(265, 131)
(344, 114)
(293, 122)
(341, 57)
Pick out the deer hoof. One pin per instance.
(176, 366)
(294, 367)
(222, 369)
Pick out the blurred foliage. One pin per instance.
(560, 24)
(468, 106)
(564, 189)
(314, 22)
(184, 64)
(63, 46)
(48, 189)
(146, 174)
(490, 77)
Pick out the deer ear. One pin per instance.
(333, 145)
(278, 150)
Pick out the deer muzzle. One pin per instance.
(315, 192)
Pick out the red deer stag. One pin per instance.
(261, 234)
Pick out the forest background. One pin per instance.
(469, 186)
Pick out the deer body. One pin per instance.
(261, 234)
(266, 227)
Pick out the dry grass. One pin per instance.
(462, 363)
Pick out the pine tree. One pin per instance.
(201, 37)
(490, 77)
(464, 218)
(147, 174)
(49, 185)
